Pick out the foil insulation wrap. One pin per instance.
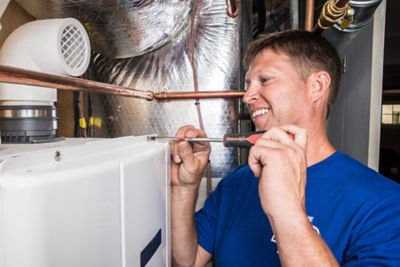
(145, 45)
(121, 29)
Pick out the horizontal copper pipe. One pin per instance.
(21, 76)
(27, 77)
(198, 95)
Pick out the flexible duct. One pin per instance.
(144, 45)
(121, 29)
(168, 69)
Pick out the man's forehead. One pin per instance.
(268, 58)
(267, 52)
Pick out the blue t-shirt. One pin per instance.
(353, 208)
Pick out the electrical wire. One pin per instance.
(195, 12)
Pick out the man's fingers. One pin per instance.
(279, 135)
(174, 152)
(254, 163)
(185, 150)
(288, 135)
(274, 144)
(258, 155)
(182, 131)
(186, 154)
(189, 131)
(300, 134)
(268, 142)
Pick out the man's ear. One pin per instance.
(319, 83)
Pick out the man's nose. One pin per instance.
(250, 95)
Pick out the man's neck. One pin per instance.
(319, 147)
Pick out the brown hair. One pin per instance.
(308, 51)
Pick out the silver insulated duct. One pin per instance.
(363, 13)
(148, 45)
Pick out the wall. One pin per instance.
(13, 16)
(353, 126)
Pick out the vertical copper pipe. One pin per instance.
(309, 21)
(209, 180)
(232, 8)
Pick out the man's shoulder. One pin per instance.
(351, 175)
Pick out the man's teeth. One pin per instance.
(260, 112)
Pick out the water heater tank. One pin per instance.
(82, 202)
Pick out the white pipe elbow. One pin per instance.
(56, 46)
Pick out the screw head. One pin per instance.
(57, 156)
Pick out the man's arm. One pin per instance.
(298, 243)
(187, 166)
(280, 162)
(185, 249)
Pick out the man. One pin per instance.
(299, 202)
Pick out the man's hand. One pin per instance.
(279, 160)
(188, 159)
(187, 166)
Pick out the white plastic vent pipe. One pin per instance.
(56, 46)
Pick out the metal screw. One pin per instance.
(57, 156)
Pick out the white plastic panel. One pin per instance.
(146, 200)
(94, 204)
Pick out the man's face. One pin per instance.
(276, 94)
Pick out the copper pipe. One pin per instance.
(21, 76)
(332, 12)
(232, 8)
(309, 20)
(198, 95)
(341, 3)
(27, 77)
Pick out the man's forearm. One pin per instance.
(299, 244)
(184, 234)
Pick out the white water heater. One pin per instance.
(82, 203)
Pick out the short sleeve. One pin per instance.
(376, 242)
(206, 219)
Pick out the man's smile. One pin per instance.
(259, 112)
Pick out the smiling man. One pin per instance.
(299, 201)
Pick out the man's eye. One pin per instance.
(264, 79)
